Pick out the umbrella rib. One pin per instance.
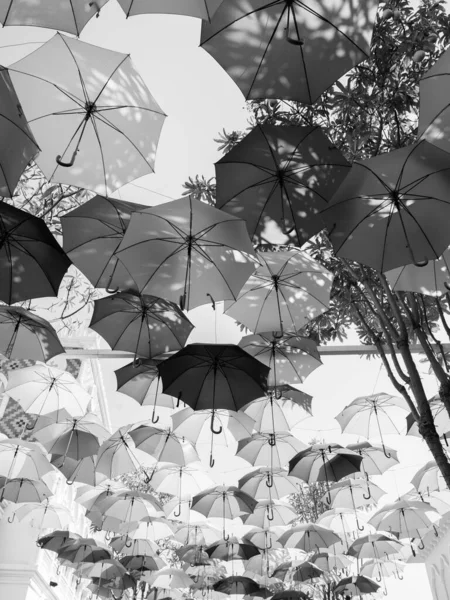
(80, 126)
(97, 135)
(269, 291)
(406, 209)
(250, 187)
(71, 97)
(391, 214)
(116, 68)
(83, 85)
(296, 149)
(300, 47)
(265, 170)
(102, 109)
(24, 131)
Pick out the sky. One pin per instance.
(200, 100)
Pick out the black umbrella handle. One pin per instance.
(63, 163)
(96, 6)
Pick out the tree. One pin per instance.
(371, 111)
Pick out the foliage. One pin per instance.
(307, 503)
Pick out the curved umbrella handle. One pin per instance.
(182, 301)
(108, 536)
(178, 400)
(137, 362)
(436, 533)
(272, 439)
(204, 592)
(270, 516)
(96, 6)
(112, 290)
(269, 546)
(269, 480)
(71, 162)
(378, 577)
(128, 544)
(33, 425)
(13, 517)
(278, 394)
(155, 418)
(369, 495)
(212, 301)
(70, 482)
(212, 462)
(177, 514)
(421, 546)
(58, 570)
(216, 431)
(277, 335)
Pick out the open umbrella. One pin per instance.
(331, 562)
(374, 415)
(440, 417)
(308, 537)
(376, 458)
(25, 335)
(378, 569)
(289, 50)
(353, 493)
(278, 179)
(94, 119)
(291, 358)
(428, 478)
(41, 389)
(341, 520)
(56, 539)
(234, 585)
(233, 548)
(390, 210)
(118, 454)
(265, 483)
(202, 9)
(374, 545)
(270, 450)
(270, 513)
(124, 545)
(432, 279)
(43, 515)
(285, 292)
(407, 519)
(142, 563)
(143, 324)
(198, 534)
(92, 233)
(65, 16)
(213, 376)
(80, 471)
(21, 147)
(150, 528)
(170, 578)
(357, 585)
(188, 252)
(19, 459)
(163, 445)
(32, 263)
(20, 490)
(127, 507)
(83, 550)
(272, 413)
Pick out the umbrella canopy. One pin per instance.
(32, 263)
(198, 534)
(376, 458)
(145, 325)
(127, 507)
(306, 571)
(211, 376)
(19, 459)
(180, 481)
(141, 382)
(169, 579)
(358, 585)
(81, 471)
(135, 547)
(440, 417)
(353, 493)
(284, 294)
(21, 147)
(291, 595)
(235, 584)
(64, 16)
(268, 513)
(232, 549)
(341, 520)
(271, 413)
(434, 115)
(188, 252)
(330, 562)
(272, 450)
(192, 425)
(43, 516)
(389, 211)
(92, 233)
(265, 483)
(56, 539)
(164, 446)
(428, 478)
(75, 437)
(41, 389)
(106, 569)
(291, 358)
(151, 529)
(374, 545)
(288, 50)
(308, 537)
(324, 462)
(278, 179)
(431, 279)
(118, 454)
(94, 119)
(143, 563)
(25, 335)
(407, 519)
(202, 9)
(84, 550)
(20, 490)
(382, 568)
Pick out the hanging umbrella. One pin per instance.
(41, 389)
(440, 417)
(434, 105)
(150, 528)
(134, 547)
(21, 147)
(142, 563)
(80, 471)
(32, 263)
(56, 539)
(389, 212)
(193, 424)
(353, 493)
(290, 595)
(201, 534)
(271, 413)
(64, 16)
(357, 585)
(92, 233)
(75, 437)
(192, 555)
(306, 571)
(291, 358)
(202, 9)
(331, 562)
(231, 549)
(234, 585)
(127, 507)
(324, 462)
(374, 416)
(142, 382)
(25, 335)
(118, 454)
(43, 516)
(87, 495)
(429, 478)
(268, 513)
(278, 179)
(188, 252)
(272, 450)
(287, 291)
(145, 325)
(266, 539)
(21, 490)
(164, 446)
(342, 520)
(104, 570)
(83, 550)
(226, 502)
(376, 459)
(169, 579)
(374, 545)
(308, 537)
(213, 376)
(378, 569)
(115, 586)
(19, 459)
(405, 519)
(94, 119)
(431, 280)
(288, 50)
(264, 483)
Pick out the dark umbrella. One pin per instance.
(25, 335)
(214, 376)
(92, 233)
(32, 263)
(305, 571)
(236, 585)
(21, 146)
(356, 586)
(145, 325)
(232, 549)
(278, 179)
(290, 595)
